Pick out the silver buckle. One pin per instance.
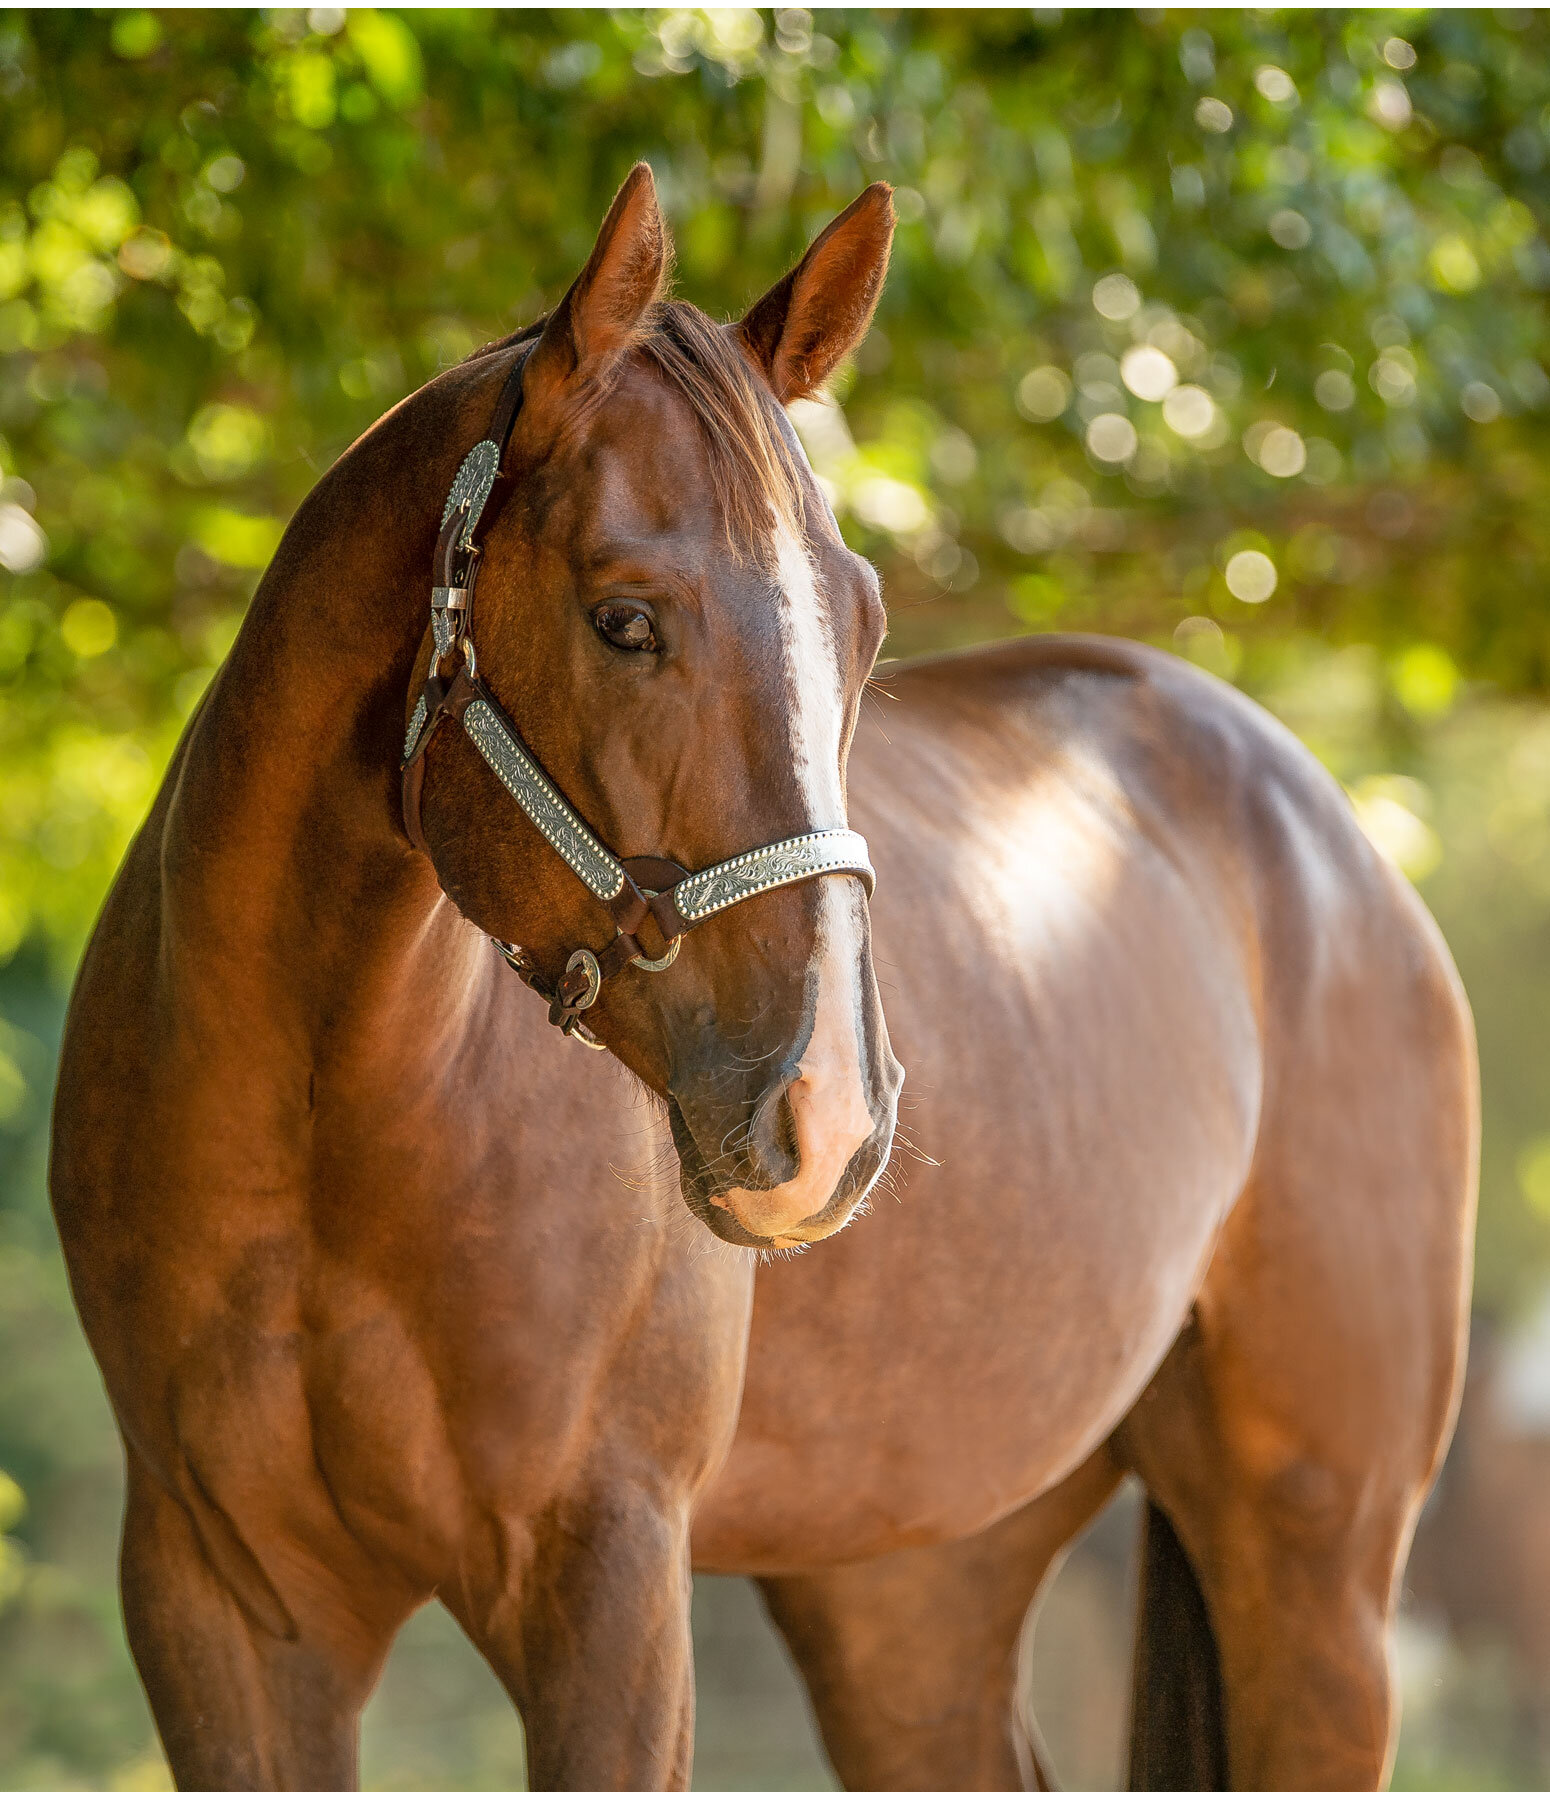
(662, 962)
(584, 959)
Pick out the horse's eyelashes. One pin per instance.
(625, 627)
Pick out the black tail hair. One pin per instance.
(1177, 1738)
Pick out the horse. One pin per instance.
(399, 1295)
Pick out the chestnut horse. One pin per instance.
(393, 1289)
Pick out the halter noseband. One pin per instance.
(632, 888)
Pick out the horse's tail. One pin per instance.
(1177, 1740)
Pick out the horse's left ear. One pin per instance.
(820, 311)
(607, 301)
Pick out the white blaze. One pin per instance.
(828, 1097)
(812, 682)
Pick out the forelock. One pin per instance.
(753, 463)
(753, 466)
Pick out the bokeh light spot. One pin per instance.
(1148, 372)
(1251, 577)
(1044, 394)
(1282, 452)
(1389, 103)
(1480, 402)
(1290, 229)
(22, 543)
(135, 35)
(1335, 391)
(89, 628)
(1190, 411)
(1116, 297)
(1276, 85)
(1398, 54)
(1111, 438)
(1425, 680)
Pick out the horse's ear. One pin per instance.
(600, 315)
(820, 311)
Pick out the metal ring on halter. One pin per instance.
(470, 660)
(584, 959)
(662, 962)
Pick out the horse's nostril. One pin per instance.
(786, 1126)
(774, 1154)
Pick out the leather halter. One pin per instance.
(633, 889)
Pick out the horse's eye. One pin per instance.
(625, 627)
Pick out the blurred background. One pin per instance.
(1225, 330)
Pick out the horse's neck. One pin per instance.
(290, 892)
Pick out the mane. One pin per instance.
(752, 461)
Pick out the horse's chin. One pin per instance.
(719, 1218)
(720, 1223)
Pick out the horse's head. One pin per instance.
(669, 615)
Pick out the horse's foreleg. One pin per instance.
(245, 1693)
(584, 1616)
(912, 1659)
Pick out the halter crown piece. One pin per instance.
(633, 889)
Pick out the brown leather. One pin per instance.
(462, 691)
(445, 563)
(647, 894)
(413, 783)
(457, 568)
(661, 876)
(508, 402)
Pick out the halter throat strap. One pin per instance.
(633, 889)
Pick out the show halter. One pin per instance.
(632, 888)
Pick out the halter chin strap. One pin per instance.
(632, 888)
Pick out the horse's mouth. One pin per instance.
(701, 1190)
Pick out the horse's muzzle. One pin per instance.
(798, 1172)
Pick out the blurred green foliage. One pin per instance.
(1173, 296)
(1223, 329)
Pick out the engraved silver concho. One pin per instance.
(471, 486)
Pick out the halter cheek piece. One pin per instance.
(632, 888)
